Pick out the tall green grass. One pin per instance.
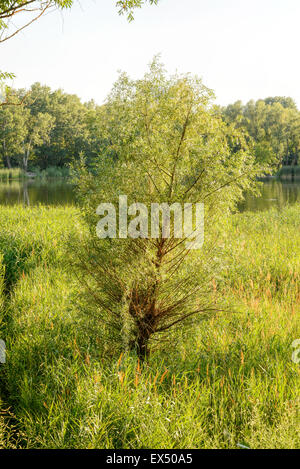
(223, 383)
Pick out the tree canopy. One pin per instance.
(47, 128)
(164, 144)
(271, 127)
(273, 124)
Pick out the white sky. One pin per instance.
(242, 49)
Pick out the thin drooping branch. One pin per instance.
(228, 183)
(14, 8)
(11, 103)
(183, 318)
(15, 11)
(194, 183)
(27, 24)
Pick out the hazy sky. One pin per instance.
(242, 49)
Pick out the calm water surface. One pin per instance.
(273, 194)
(59, 192)
(34, 192)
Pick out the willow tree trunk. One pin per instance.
(25, 159)
(144, 310)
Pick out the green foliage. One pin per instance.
(44, 129)
(4, 88)
(270, 126)
(12, 132)
(165, 143)
(70, 132)
(51, 172)
(127, 6)
(38, 128)
(6, 76)
(274, 126)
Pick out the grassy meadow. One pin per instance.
(228, 383)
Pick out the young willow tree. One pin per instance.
(164, 143)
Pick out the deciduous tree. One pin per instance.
(165, 144)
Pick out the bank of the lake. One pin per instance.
(289, 174)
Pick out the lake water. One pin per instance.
(59, 192)
(34, 192)
(273, 194)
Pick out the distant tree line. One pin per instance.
(44, 128)
(273, 124)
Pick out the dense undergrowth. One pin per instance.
(227, 382)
